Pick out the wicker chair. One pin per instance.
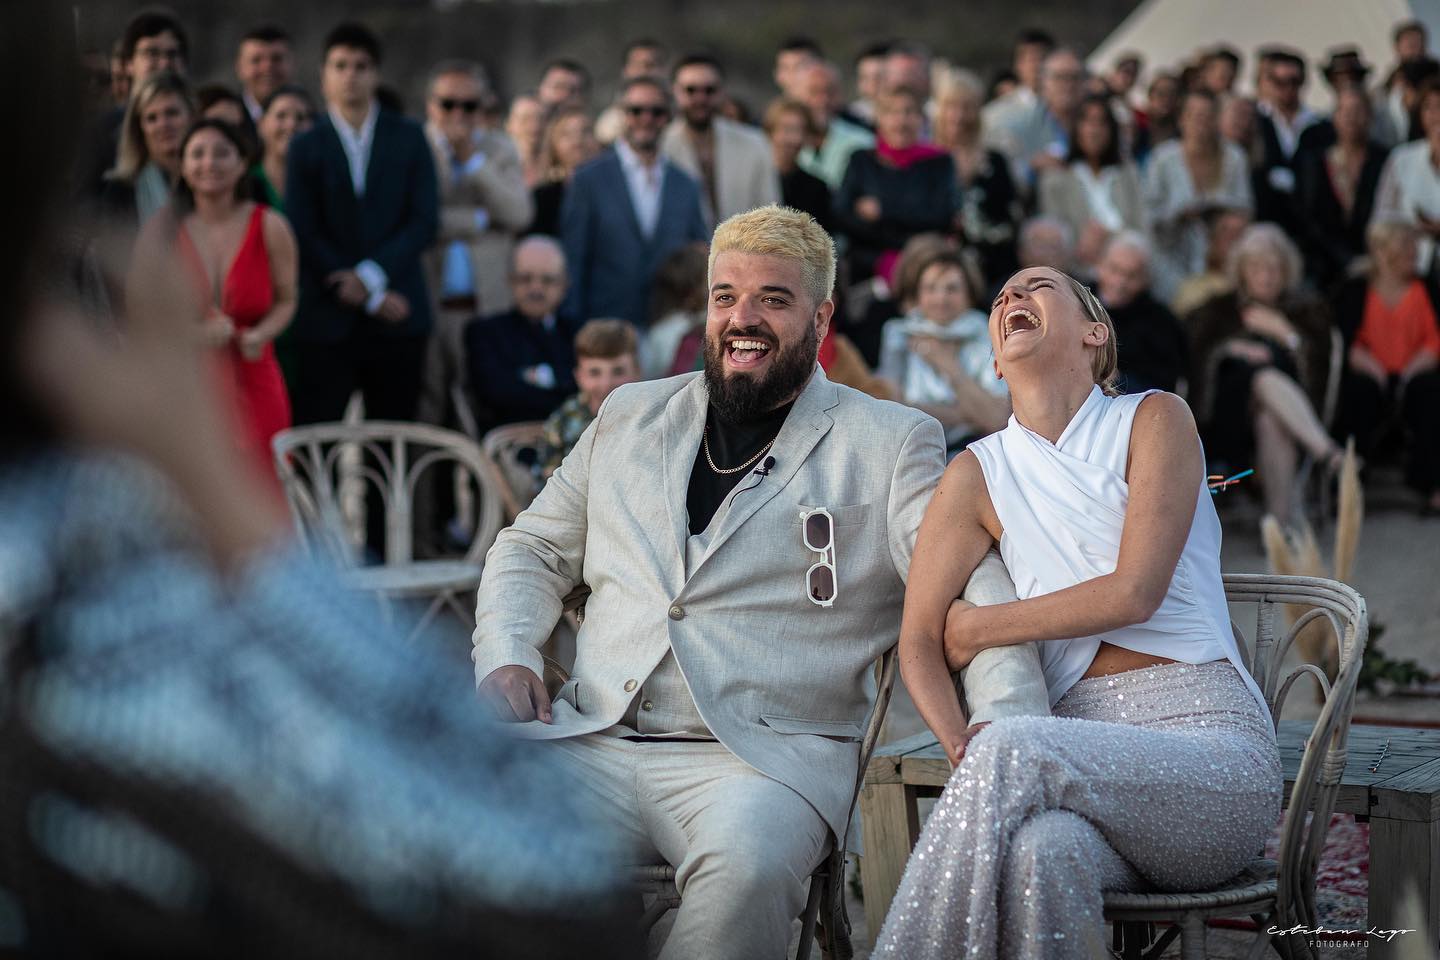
(312, 464)
(1280, 894)
(827, 883)
(504, 446)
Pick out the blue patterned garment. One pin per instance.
(277, 696)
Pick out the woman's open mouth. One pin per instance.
(1019, 320)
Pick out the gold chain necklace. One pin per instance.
(705, 443)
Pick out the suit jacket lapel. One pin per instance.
(807, 424)
(681, 426)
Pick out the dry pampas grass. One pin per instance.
(1297, 553)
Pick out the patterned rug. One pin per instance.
(1342, 882)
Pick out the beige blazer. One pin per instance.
(498, 188)
(745, 174)
(784, 684)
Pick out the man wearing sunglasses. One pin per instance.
(626, 211)
(1287, 129)
(745, 533)
(731, 161)
(484, 205)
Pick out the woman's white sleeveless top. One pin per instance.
(1062, 507)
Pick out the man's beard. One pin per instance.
(743, 397)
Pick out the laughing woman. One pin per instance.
(1159, 766)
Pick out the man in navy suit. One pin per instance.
(626, 211)
(361, 194)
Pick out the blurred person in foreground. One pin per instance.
(1392, 367)
(719, 743)
(1409, 187)
(226, 753)
(607, 355)
(484, 204)
(525, 125)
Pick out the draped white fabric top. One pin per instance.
(1062, 509)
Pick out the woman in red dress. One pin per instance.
(240, 258)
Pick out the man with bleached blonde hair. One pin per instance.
(745, 533)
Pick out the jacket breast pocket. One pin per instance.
(845, 515)
(834, 729)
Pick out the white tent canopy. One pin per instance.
(1168, 32)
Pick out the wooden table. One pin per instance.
(1401, 799)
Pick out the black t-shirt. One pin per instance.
(731, 444)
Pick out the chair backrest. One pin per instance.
(506, 447)
(1323, 763)
(321, 465)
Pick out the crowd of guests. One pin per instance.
(1272, 264)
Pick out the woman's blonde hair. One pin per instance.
(779, 231)
(1105, 364)
(132, 155)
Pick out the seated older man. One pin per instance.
(1154, 352)
(521, 362)
(746, 532)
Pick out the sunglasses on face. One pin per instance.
(544, 279)
(817, 529)
(695, 90)
(449, 106)
(637, 110)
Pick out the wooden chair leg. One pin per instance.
(1192, 937)
(1262, 939)
(807, 922)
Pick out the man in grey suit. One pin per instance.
(746, 532)
(625, 212)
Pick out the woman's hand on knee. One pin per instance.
(956, 751)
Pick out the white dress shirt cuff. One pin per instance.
(376, 283)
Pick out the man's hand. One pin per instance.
(516, 695)
(394, 308)
(349, 289)
(961, 644)
(955, 752)
(217, 329)
(867, 208)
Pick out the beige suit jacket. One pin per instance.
(745, 174)
(498, 188)
(784, 684)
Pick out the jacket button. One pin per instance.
(677, 612)
(648, 705)
(629, 685)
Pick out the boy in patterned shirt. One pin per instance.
(606, 356)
